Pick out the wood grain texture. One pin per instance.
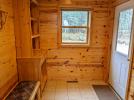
(8, 70)
(26, 27)
(131, 85)
(23, 31)
(118, 2)
(75, 72)
(94, 54)
(36, 92)
(32, 69)
(131, 88)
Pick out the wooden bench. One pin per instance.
(25, 90)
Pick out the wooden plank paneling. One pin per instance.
(75, 72)
(131, 85)
(8, 70)
(23, 30)
(131, 88)
(94, 55)
(33, 69)
(118, 2)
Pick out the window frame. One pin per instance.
(116, 45)
(88, 28)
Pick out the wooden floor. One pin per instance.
(61, 90)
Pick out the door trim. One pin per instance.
(130, 57)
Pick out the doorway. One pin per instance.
(122, 48)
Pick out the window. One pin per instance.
(124, 31)
(75, 26)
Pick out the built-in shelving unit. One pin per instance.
(34, 11)
(36, 36)
(34, 19)
(35, 2)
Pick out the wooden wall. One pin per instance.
(8, 70)
(68, 63)
(23, 28)
(118, 2)
(131, 87)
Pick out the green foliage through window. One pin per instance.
(75, 26)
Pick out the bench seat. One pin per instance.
(25, 90)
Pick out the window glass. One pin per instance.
(74, 18)
(74, 35)
(124, 31)
(75, 26)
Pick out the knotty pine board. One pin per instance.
(118, 2)
(8, 70)
(131, 89)
(48, 34)
(23, 28)
(75, 72)
(131, 86)
(60, 60)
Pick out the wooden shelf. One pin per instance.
(35, 2)
(36, 36)
(35, 26)
(34, 19)
(39, 53)
(35, 49)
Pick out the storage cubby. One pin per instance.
(34, 27)
(34, 12)
(35, 43)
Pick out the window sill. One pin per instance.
(74, 45)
